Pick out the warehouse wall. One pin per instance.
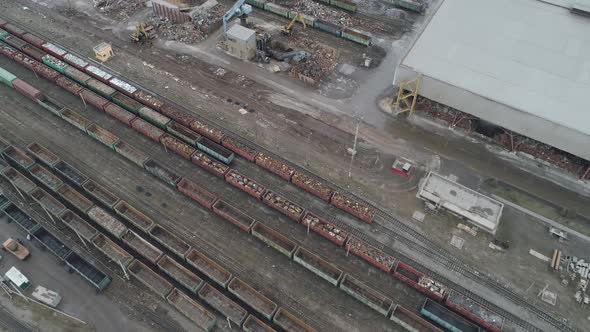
(556, 135)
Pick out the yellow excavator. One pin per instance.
(287, 30)
(143, 34)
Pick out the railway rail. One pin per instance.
(410, 237)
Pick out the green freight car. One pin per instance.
(357, 36)
(7, 77)
(276, 9)
(257, 3)
(344, 4)
(415, 6)
(94, 276)
(54, 63)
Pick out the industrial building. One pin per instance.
(521, 65)
(479, 210)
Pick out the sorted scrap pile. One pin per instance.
(119, 8)
(330, 14)
(448, 114)
(323, 59)
(204, 22)
(542, 151)
(517, 142)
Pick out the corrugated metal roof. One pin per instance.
(527, 54)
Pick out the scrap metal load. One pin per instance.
(370, 254)
(325, 228)
(283, 205)
(353, 207)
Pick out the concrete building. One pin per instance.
(479, 210)
(523, 65)
(241, 42)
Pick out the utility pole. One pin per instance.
(353, 150)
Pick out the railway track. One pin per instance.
(159, 319)
(10, 323)
(253, 277)
(409, 237)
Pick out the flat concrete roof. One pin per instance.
(527, 55)
(239, 32)
(478, 209)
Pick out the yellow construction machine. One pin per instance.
(143, 34)
(286, 30)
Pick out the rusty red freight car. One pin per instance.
(122, 86)
(475, 312)
(75, 61)
(9, 51)
(13, 29)
(325, 228)
(177, 114)
(233, 215)
(69, 85)
(410, 321)
(213, 166)
(54, 50)
(33, 52)
(353, 207)
(371, 254)
(24, 60)
(147, 129)
(212, 133)
(119, 113)
(238, 147)
(46, 71)
(93, 99)
(33, 40)
(148, 99)
(290, 322)
(275, 166)
(196, 193)
(98, 73)
(177, 146)
(312, 185)
(283, 205)
(245, 184)
(420, 281)
(26, 89)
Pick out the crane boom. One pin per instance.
(239, 9)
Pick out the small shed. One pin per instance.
(17, 278)
(241, 42)
(103, 51)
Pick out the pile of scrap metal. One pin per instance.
(577, 267)
(264, 51)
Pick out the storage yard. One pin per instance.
(187, 204)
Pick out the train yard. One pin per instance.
(129, 186)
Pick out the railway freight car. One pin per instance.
(445, 318)
(474, 311)
(411, 322)
(419, 281)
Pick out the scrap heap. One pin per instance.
(330, 14)
(203, 23)
(517, 142)
(323, 59)
(119, 8)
